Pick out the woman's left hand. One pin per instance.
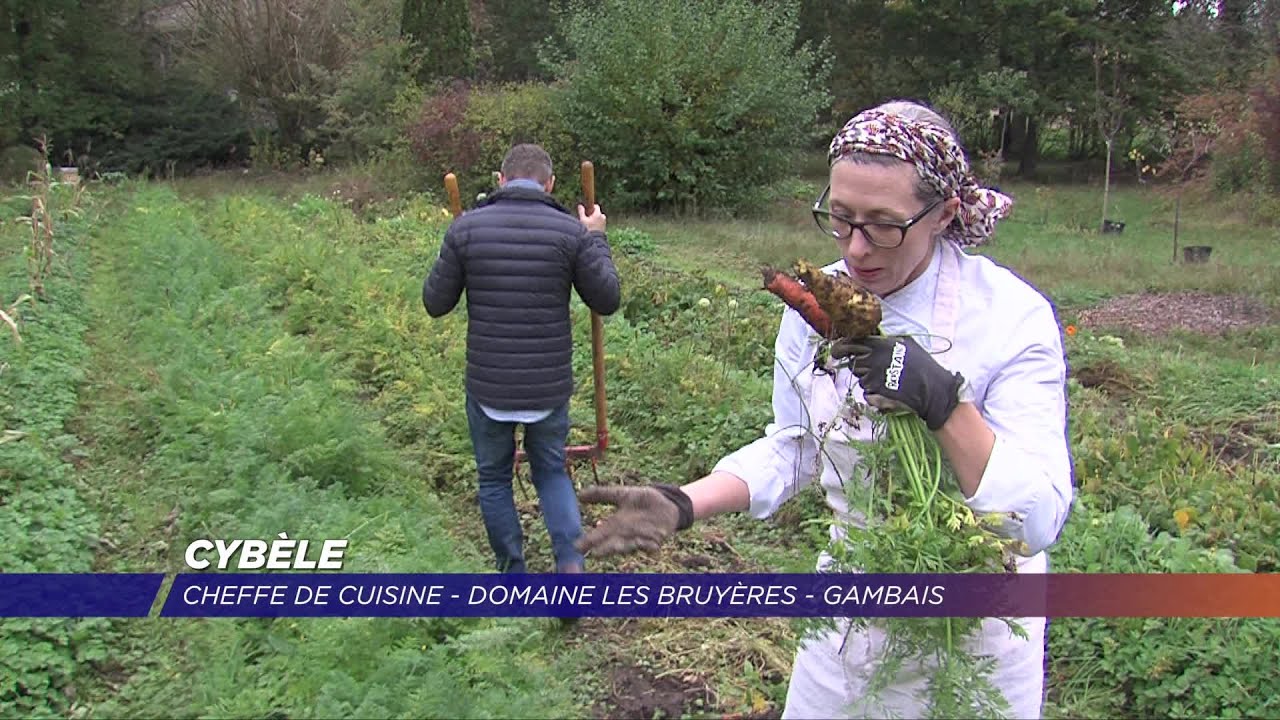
(897, 371)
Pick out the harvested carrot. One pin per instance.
(834, 305)
(855, 313)
(798, 298)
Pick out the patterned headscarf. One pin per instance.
(940, 161)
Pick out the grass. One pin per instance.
(245, 360)
(1048, 240)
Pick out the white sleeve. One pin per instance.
(786, 459)
(1029, 475)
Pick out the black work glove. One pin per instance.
(646, 516)
(897, 372)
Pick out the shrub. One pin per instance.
(18, 162)
(439, 138)
(442, 28)
(177, 125)
(366, 113)
(468, 131)
(1265, 98)
(685, 104)
(504, 115)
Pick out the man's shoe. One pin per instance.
(569, 569)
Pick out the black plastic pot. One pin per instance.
(1112, 227)
(1196, 253)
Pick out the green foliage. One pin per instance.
(175, 126)
(441, 29)
(974, 103)
(687, 104)
(504, 115)
(733, 326)
(1159, 667)
(1242, 166)
(371, 102)
(19, 162)
(516, 28)
(207, 401)
(85, 81)
(1160, 460)
(915, 521)
(45, 523)
(631, 241)
(1133, 77)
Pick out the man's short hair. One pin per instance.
(527, 161)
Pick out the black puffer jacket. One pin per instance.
(518, 254)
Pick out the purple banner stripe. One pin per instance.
(78, 595)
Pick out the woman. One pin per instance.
(901, 205)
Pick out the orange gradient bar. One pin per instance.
(1163, 595)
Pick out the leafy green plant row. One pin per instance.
(683, 386)
(46, 525)
(1154, 498)
(1156, 667)
(1145, 437)
(205, 403)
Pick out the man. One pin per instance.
(518, 254)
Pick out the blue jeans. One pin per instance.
(544, 445)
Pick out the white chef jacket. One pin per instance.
(1007, 345)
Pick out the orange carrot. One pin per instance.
(799, 298)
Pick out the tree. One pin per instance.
(1130, 73)
(1041, 38)
(278, 55)
(516, 30)
(1235, 20)
(1197, 125)
(375, 93)
(64, 57)
(688, 104)
(84, 77)
(442, 31)
(1113, 106)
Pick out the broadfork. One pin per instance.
(595, 452)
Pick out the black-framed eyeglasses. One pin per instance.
(879, 233)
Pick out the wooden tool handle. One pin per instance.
(589, 185)
(455, 199)
(597, 327)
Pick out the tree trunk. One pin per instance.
(1233, 17)
(1177, 214)
(1271, 25)
(22, 28)
(1013, 135)
(1106, 188)
(1030, 150)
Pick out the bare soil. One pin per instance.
(1108, 377)
(636, 693)
(1242, 443)
(1161, 313)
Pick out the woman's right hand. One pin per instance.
(645, 518)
